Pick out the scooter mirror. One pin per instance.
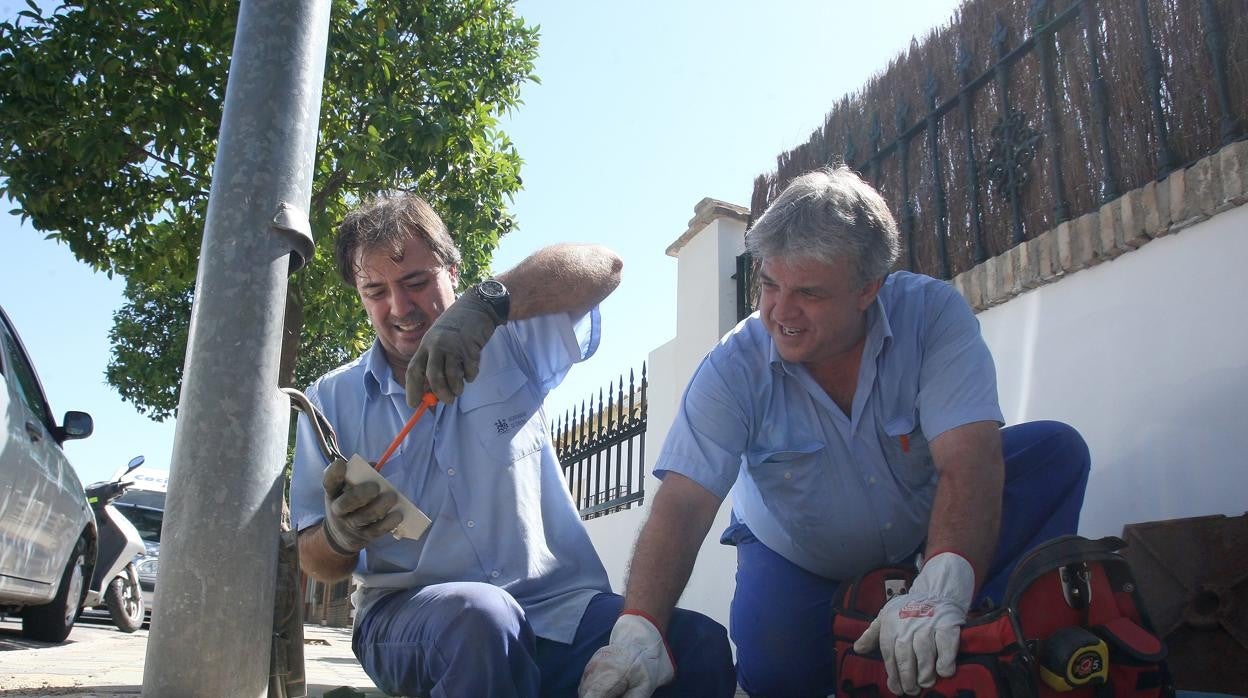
(134, 463)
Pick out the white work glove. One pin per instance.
(918, 632)
(633, 665)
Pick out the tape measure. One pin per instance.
(1073, 658)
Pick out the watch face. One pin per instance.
(492, 289)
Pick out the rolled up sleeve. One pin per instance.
(709, 433)
(957, 378)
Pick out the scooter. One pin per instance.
(115, 583)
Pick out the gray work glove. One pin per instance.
(355, 514)
(450, 352)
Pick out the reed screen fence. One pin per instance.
(1022, 114)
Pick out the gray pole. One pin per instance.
(211, 632)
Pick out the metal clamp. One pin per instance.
(1076, 581)
(326, 438)
(291, 223)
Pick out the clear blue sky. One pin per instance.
(644, 108)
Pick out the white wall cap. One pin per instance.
(707, 211)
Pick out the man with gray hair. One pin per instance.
(854, 419)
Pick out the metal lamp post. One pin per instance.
(211, 632)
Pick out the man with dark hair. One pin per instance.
(504, 594)
(854, 418)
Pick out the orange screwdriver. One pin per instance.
(427, 401)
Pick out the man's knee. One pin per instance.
(465, 638)
(1066, 440)
(1070, 456)
(1056, 448)
(481, 615)
(476, 617)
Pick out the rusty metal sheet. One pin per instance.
(1193, 577)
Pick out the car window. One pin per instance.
(27, 383)
(147, 521)
(143, 498)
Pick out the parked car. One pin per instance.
(47, 530)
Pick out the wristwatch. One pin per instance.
(496, 296)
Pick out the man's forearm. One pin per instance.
(563, 278)
(966, 513)
(319, 560)
(668, 546)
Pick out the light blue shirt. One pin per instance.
(837, 494)
(483, 469)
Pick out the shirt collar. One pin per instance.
(378, 377)
(878, 326)
(878, 330)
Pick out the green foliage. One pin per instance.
(149, 336)
(109, 116)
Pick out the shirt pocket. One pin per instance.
(503, 412)
(787, 478)
(907, 452)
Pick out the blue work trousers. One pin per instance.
(471, 639)
(781, 613)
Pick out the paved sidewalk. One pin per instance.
(100, 661)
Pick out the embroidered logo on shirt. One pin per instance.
(507, 425)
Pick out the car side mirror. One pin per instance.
(77, 425)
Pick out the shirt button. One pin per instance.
(450, 471)
(870, 479)
(788, 476)
(887, 526)
(471, 524)
(494, 574)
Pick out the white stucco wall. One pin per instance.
(1147, 355)
(705, 310)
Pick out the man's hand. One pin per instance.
(632, 665)
(450, 352)
(918, 632)
(355, 514)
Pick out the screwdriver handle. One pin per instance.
(427, 401)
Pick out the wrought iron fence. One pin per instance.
(603, 448)
(1034, 112)
(746, 300)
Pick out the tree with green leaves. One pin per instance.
(109, 117)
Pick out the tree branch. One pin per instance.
(332, 185)
(176, 167)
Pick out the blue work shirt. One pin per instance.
(837, 494)
(483, 469)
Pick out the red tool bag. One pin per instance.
(1072, 625)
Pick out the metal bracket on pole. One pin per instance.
(291, 224)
